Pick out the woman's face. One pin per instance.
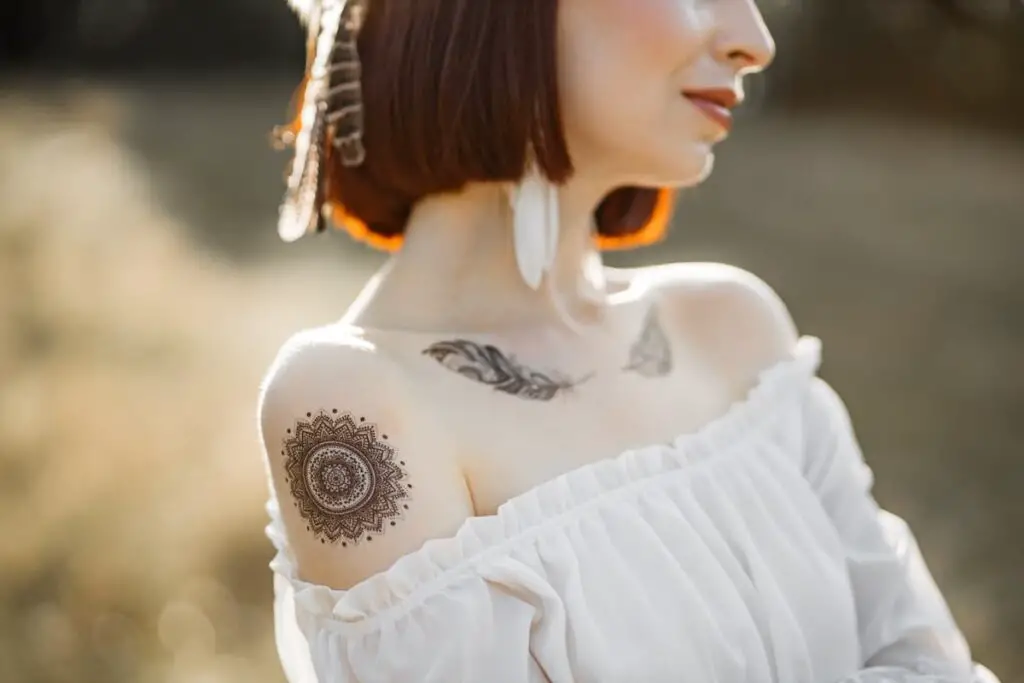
(629, 72)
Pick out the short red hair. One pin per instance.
(458, 91)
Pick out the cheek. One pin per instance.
(660, 35)
(626, 55)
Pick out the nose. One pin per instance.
(743, 40)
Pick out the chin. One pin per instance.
(691, 166)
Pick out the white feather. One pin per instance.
(291, 225)
(529, 210)
(551, 225)
(304, 8)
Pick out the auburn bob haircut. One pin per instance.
(457, 91)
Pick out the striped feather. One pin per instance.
(301, 210)
(345, 93)
(331, 116)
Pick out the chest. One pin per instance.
(524, 408)
(519, 427)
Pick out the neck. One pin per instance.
(457, 268)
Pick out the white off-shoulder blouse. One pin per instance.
(750, 551)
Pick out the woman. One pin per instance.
(507, 463)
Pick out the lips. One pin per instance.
(715, 103)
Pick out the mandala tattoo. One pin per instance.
(651, 353)
(344, 478)
(487, 364)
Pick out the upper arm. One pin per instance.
(361, 478)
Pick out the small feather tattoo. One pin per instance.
(651, 354)
(488, 365)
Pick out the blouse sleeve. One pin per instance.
(476, 627)
(907, 634)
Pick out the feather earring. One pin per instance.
(534, 203)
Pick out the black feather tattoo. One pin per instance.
(651, 354)
(488, 365)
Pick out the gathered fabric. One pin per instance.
(750, 551)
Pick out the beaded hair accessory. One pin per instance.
(331, 114)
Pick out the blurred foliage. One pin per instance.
(929, 57)
(940, 57)
(130, 485)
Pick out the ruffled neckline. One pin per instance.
(440, 561)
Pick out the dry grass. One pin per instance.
(132, 493)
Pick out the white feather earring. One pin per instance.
(534, 202)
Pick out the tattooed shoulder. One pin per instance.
(651, 354)
(733, 318)
(362, 474)
(489, 365)
(346, 479)
(339, 471)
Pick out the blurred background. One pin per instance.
(876, 181)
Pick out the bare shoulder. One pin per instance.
(731, 315)
(362, 476)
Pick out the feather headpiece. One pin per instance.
(330, 118)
